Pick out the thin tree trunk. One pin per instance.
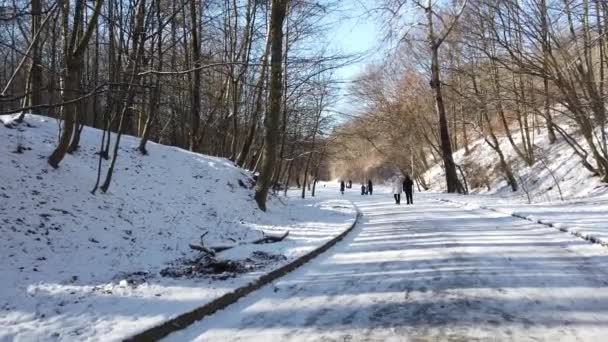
(155, 97)
(316, 175)
(546, 50)
(195, 106)
(314, 140)
(288, 179)
(131, 80)
(259, 97)
(34, 76)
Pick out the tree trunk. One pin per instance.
(546, 48)
(305, 183)
(68, 113)
(288, 178)
(73, 51)
(34, 76)
(453, 184)
(155, 97)
(131, 81)
(259, 97)
(317, 167)
(271, 122)
(285, 116)
(195, 106)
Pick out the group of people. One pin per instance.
(365, 190)
(403, 185)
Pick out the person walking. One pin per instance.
(370, 187)
(397, 190)
(408, 188)
(363, 189)
(342, 187)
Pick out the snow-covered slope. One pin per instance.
(553, 162)
(66, 253)
(585, 198)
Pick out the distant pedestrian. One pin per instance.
(350, 184)
(370, 187)
(408, 188)
(342, 187)
(363, 190)
(397, 190)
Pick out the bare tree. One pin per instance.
(271, 122)
(73, 51)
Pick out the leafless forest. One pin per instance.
(479, 69)
(252, 81)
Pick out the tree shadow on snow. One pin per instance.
(431, 267)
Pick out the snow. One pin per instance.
(585, 217)
(429, 272)
(552, 160)
(78, 266)
(581, 209)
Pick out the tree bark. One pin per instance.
(453, 184)
(259, 97)
(73, 52)
(271, 122)
(34, 78)
(546, 47)
(130, 81)
(155, 97)
(195, 106)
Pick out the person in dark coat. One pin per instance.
(370, 188)
(408, 188)
(363, 190)
(342, 187)
(350, 184)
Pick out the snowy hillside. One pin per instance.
(554, 162)
(78, 266)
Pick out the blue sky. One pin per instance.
(356, 31)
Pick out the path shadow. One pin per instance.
(432, 267)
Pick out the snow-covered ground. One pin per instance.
(580, 208)
(556, 168)
(430, 272)
(586, 217)
(77, 266)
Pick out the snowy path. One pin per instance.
(430, 272)
(582, 216)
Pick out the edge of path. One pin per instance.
(560, 226)
(184, 320)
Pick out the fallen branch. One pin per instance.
(263, 240)
(202, 249)
(271, 239)
(218, 249)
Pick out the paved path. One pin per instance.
(430, 272)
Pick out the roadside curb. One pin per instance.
(184, 320)
(563, 228)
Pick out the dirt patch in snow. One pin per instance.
(220, 269)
